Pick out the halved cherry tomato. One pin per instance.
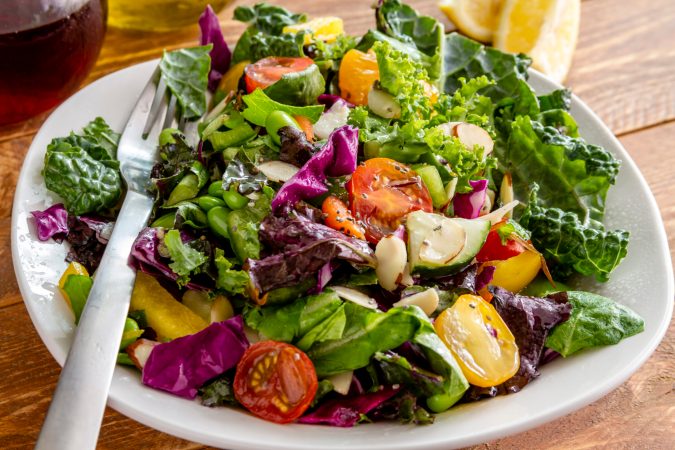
(495, 250)
(358, 72)
(485, 348)
(268, 71)
(381, 192)
(275, 381)
(339, 217)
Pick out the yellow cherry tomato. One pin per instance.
(358, 72)
(74, 268)
(230, 81)
(515, 273)
(483, 345)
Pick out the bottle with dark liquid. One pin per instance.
(47, 47)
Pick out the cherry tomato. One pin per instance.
(358, 72)
(269, 70)
(339, 217)
(495, 250)
(515, 273)
(381, 192)
(275, 381)
(485, 348)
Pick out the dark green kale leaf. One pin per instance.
(572, 245)
(465, 58)
(186, 73)
(595, 321)
(268, 19)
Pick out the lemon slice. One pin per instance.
(547, 30)
(475, 18)
(322, 29)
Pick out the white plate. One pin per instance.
(643, 282)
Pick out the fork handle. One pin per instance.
(76, 411)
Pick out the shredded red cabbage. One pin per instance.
(469, 205)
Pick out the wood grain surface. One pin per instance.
(624, 68)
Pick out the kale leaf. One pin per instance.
(186, 74)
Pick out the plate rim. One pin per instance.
(561, 409)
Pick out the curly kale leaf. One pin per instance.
(571, 245)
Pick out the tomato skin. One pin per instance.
(268, 71)
(381, 192)
(275, 381)
(339, 217)
(494, 250)
(481, 342)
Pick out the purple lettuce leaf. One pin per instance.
(469, 205)
(88, 237)
(220, 53)
(404, 408)
(51, 223)
(347, 411)
(145, 257)
(465, 280)
(295, 148)
(530, 319)
(183, 365)
(336, 158)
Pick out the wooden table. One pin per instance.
(624, 68)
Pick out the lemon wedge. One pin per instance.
(476, 18)
(547, 30)
(322, 29)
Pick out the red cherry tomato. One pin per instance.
(495, 250)
(275, 381)
(269, 70)
(381, 192)
(339, 217)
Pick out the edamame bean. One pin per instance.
(277, 120)
(166, 136)
(217, 218)
(216, 189)
(206, 202)
(439, 402)
(234, 199)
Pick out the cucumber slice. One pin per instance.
(432, 180)
(439, 245)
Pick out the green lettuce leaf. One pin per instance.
(466, 58)
(259, 106)
(595, 321)
(186, 74)
(185, 258)
(230, 280)
(572, 175)
(430, 64)
(572, 245)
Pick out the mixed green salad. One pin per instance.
(370, 227)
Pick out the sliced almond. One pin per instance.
(472, 135)
(342, 382)
(445, 242)
(277, 170)
(383, 104)
(139, 351)
(426, 300)
(406, 278)
(497, 215)
(506, 192)
(355, 296)
(391, 257)
(448, 128)
(221, 309)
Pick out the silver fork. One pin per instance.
(74, 416)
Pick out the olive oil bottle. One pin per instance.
(158, 15)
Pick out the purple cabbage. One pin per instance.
(469, 205)
(220, 53)
(347, 411)
(51, 223)
(530, 319)
(336, 158)
(183, 365)
(330, 99)
(484, 277)
(145, 257)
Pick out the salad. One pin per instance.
(368, 228)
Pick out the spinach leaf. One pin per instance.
(595, 321)
(572, 174)
(298, 88)
(402, 22)
(465, 58)
(185, 258)
(85, 183)
(259, 106)
(572, 245)
(230, 280)
(186, 74)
